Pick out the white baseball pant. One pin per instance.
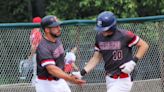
(51, 86)
(118, 85)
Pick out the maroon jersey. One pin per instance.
(49, 53)
(116, 49)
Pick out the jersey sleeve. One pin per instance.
(45, 56)
(132, 38)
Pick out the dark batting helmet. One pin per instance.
(106, 21)
(50, 21)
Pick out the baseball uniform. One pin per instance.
(50, 53)
(69, 59)
(116, 50)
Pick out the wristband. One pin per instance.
(83, 72)
(135, 59)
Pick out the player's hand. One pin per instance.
(78, 81)
(128, 67)
(77, 74)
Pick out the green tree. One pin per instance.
(25, 10)
(87, 9)
(14, 11)
(149, 7)
(21, 10)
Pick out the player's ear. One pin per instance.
(46, 30)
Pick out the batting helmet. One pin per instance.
(106, 21)
(50, 21)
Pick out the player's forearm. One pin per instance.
(93, 62)
(142, 49)
(32, 52)
(57, 72)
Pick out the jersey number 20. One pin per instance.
(117, 55)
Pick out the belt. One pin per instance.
(47, 78)
(121, 75)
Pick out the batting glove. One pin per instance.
(78, 74)
(128, 67)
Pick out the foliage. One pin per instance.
(15, 10)
(87, 9)
(90, 8)
(149, 7)
(21, 10)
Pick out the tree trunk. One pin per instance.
(38, 8)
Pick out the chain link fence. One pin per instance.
(15, 47)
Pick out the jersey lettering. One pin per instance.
(112, 45)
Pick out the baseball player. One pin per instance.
(50, 60)
(70, 59)
(35, 38)
(114, 46)
(28, 66)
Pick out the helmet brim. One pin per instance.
(102, 29)
(55, 24)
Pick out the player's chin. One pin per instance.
(58, 35)
(105, 35)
